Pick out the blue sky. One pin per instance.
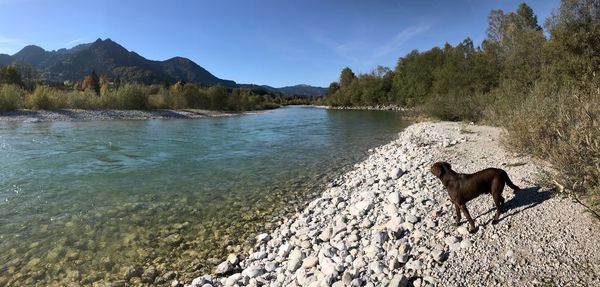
(270, 42)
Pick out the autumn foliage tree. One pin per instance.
(91, 82)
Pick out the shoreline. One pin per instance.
(388, 222)
(369, 108)
(34, 116)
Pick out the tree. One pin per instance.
(494, 30)
(10, 75)
(103, 85)
(527, 19)
(346, 77)
(575, 41)
(218, 97)
(92, 82)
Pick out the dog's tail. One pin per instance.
(509, 183)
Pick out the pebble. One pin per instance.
(462, 230)
(466, 244)
(253, 271)
(398, 281)
(223, 268)
(394, 198)
(451, 240)
(310, 262)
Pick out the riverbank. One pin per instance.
(388, 222)
(101, 115)
(369, 108)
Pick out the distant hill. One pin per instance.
(303, 90)
(298, 90)
(107, 57)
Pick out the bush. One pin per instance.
(11, 97)
(131, 96)
(454, 107)
(562, 126)
(82, 100)
(45, 98)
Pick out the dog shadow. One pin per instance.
(524, 199)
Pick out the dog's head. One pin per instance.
(440, 168)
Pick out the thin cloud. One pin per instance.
(400, 39)
(346, 50)
(362, 52)
(73, 42)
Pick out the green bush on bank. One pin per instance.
(131, 96)
(11, 97)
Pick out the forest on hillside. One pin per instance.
(541, 83)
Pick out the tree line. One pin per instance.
(543, 85)
(20, 88)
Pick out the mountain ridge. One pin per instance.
(109, 58)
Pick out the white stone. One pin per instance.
(465, 244)
(258, 255)
(328, 267)
(396, 173)
(232, 259)
(398, 281)
(253, 271)
(326, 234)
(296, 254)
(263, 237)
(310, 262)
(284, 250)
(231, 280)
(394, 197)
(414, 264)
(411, 218)
(223, 268)
(451, 240)
(462, 230)
(294, 264)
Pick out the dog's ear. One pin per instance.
(447, 165)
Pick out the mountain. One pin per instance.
(107, 57)
(5, 59)
(298, 90)
(303, 90)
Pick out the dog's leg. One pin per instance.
(498, 202)
(472, 228)
(457, 217)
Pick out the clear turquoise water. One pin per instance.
(79, 201)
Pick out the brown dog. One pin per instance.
(464, 187)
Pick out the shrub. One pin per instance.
(454, 107)
(11, 97)
(45, 98)
(562, 126)
(132, 96)
(82, 100)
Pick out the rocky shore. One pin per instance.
(370, 108)
(388, 222)
(99, 115)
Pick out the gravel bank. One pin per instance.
(388, 223)
(95, 115)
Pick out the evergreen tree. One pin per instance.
(346, 77)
